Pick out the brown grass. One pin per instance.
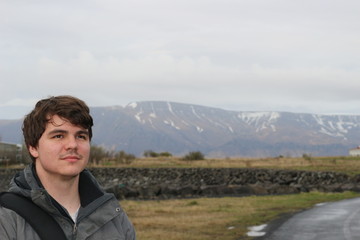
(348, 165)
(211, 218)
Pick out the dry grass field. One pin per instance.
(348, 165)
(228, 218)
(216, 218)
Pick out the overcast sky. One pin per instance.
(244, 55)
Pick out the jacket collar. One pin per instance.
(89, 189)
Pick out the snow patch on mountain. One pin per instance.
(138, 118)
(335, 126)
(256, 117)
(194, 112)
(260, 120)
(170, 108)
(199, 129)
(132, 105)
(172, 124)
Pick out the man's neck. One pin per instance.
(65, 190)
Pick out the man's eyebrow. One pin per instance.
(64, 131)
(57, 131)
(83, 132)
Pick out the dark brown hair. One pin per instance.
(70, 108)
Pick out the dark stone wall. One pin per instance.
(164, 183)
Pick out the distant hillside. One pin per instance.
(179, 128)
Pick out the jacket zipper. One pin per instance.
(74, 231)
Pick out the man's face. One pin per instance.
(63, 149)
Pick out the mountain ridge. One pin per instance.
(179, 128)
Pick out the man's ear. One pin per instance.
(33, 151)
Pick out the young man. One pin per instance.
(57, 134)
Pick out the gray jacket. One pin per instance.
(100, 215)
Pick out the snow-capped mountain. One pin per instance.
(179, 128)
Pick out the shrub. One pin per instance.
(191, 156)
(97, 154)
(165, 154)
(307, 156)
(100, 155)
(123, 157)
(150, 153)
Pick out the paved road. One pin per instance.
(328, 221)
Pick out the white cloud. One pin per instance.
(260, 54)
(19, 102)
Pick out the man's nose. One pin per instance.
(71, 142)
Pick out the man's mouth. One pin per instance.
(71, 158)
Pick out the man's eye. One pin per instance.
(58, 136)
(82, 137)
